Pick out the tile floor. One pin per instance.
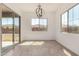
(39, 48)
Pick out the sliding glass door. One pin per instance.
(10, 31)
(16, 29)
(7, 31)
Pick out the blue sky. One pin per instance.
(73, 16)
(42, 21)
(9, 20)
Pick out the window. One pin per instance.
(7, 24)
(70, 20)
(39, 24)
(64, 22)
(74, 19)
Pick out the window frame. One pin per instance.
(39, 24)
(67, 19)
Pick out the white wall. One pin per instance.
(69, 40)
(26, 29)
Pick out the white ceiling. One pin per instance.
(30, 7)
(5, 8)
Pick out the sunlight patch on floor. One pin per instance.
(33, 43)
(66, 52)
(6, 43)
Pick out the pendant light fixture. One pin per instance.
(39, 11)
